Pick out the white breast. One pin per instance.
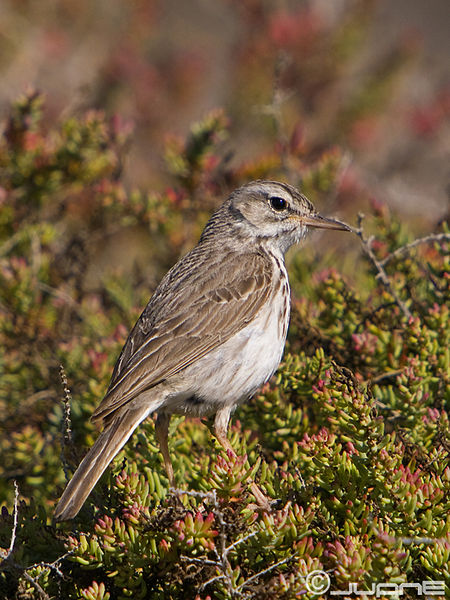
(234, 371)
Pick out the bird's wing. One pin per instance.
(195, 309)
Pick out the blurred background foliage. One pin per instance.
(124, 124)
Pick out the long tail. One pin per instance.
(110, 441)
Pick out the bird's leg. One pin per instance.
(161, 433)
(220, 429)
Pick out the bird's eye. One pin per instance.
(278, 203)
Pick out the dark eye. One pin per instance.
(278, 203)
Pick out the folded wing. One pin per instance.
(188, 317)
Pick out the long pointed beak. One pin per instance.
(323, 222)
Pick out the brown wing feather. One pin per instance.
(187, 317)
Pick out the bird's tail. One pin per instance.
(110, 441)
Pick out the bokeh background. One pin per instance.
(123, 124)
(369, 76)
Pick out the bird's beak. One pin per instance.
(323, 222)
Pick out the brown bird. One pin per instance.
(213, 332)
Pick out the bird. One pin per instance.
(212, 333)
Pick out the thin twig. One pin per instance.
(9, 563)
(222, 556)
(429, 541)
(15, 521)
(53, 566)
(202, 495)
(201, 561)
(421, 540)
(16, 518)
(240, 541)
(434, 237)
(212, 580)
(37, 587)
(67, 400)
(221, 562)
(264, 571)
(66, 423)
(221, 550)
(382, 275)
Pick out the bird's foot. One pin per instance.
(263, 503)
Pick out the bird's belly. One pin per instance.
(235, 370)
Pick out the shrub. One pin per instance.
(350, 439)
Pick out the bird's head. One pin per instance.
(276, 212)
